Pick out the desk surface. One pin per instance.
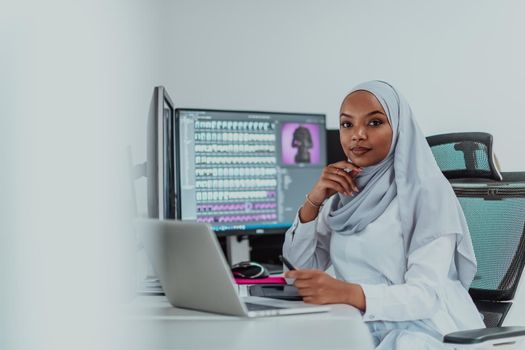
(158, 325)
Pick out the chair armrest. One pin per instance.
(477, 336)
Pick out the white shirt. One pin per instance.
(421, 287)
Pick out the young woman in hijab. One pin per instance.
(389, 223)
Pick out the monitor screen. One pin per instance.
(247, 172)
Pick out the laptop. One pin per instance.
(194, 274)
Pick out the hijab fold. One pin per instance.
(428, 206)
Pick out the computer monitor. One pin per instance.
(247, 172)
(160, 162)
(334, 150)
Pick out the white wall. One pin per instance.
(459, 63)
(76, 81)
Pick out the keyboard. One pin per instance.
(258, 307)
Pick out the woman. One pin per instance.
(391, 226)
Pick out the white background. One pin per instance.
(460, 64)
(76, 78)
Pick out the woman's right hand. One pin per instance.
(335, 178)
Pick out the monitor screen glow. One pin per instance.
(246, 172)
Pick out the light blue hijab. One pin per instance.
(428, 206)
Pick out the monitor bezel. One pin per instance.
(169, 190)
(157, 158)
(240, 232)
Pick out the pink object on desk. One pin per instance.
(267, 280)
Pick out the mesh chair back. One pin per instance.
(495, 214)
(494, 206)
(496, 218)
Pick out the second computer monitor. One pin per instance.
(247, 172)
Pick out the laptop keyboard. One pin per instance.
(258, 307)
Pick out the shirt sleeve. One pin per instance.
(307, 245)
(418, 297)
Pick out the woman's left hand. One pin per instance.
(317, 287)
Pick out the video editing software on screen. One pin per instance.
(244, 171)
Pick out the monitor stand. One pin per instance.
(238, 249)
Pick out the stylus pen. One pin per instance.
(287, 263)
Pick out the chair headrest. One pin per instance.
(465, 155)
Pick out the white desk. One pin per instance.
(158, 325)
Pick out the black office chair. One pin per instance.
(494, 206)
